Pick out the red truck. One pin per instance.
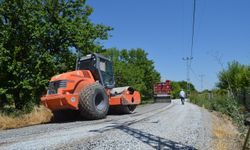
(162, 91)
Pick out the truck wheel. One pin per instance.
(93, 102)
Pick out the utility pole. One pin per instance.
(188, 63)
(201, 76)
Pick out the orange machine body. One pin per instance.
(68, 86)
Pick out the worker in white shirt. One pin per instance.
(182, 96)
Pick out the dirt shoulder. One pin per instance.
(225, 134)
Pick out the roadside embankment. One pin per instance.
(225, 134)
(37, 116)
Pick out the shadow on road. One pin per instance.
(154, 141)
(64, 116)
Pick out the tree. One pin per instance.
(236, 77)
(133, 68)
(37, 41)
(236, 80)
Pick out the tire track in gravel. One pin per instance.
(181, 127)
(44, 128)
(25, 137)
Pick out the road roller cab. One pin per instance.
(90, 89)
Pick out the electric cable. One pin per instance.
(193, 29)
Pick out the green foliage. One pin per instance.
(235, 78)
(221, 103)
(200, 99)
(230, 98)
(133, 68)
(37, 42)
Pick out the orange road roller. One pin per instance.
(90, 89)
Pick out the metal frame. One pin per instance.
(97, 61)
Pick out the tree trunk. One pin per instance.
(3, 100)
(17, 100)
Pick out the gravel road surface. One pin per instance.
(153, 126)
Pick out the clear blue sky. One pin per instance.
(163, 29)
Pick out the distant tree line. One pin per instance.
(39, 39)
(133, 68)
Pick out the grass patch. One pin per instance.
(225, 134)
(13, 120)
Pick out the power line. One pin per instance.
(193, 28)
(192, 42)
(189, 59)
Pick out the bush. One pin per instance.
(220, 103)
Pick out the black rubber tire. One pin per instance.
(129, 109)
(126, 109)
(93, 102)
